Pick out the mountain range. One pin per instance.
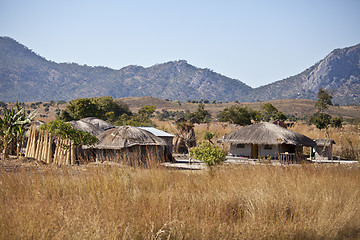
(26, 76)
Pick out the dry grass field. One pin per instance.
(234, 202)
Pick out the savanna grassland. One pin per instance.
(231, 202)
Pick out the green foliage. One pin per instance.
(61, 102)
(336, 122)
(11, 127)
(140, 119)
(171, 115)
(321, 120)
(279, 116)
(324, 100)
(146, 111)
(101, 107)
(66, 131)
(208, 154)
(238, 115)
(201, 114)
(208, 136)
(269, 112)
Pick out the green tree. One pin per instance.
(237, 115)
(66, 131)
(147, 111)
(336, 122)
(201, 114)
(208, 153)
(324, 100)
(141, 119)
(321, 119)
(101, 107)
(279, 116)
(268, 111)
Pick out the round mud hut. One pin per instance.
(266, 140)
(130, 145)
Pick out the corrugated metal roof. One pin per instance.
(156, 132)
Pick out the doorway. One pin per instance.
(254, 151)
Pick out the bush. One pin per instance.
(208, 154)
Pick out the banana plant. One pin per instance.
(11, 127)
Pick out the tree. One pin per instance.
(104, 108)
(324, 100)
(279, 116)
(237, 115)
(201, 114)
(66, 131)
(336, 122)
(322, 119)
(11, 127)
(208, 153)
(140, 119)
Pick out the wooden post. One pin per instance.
(57, 149)
(72, 153)
(37, 150)
(49, 151)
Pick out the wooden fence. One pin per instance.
(41, 147)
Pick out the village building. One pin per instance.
(266, 140)
(87, 127)
(168, 138)
(323, 150)
(98, 123)
(129, 144)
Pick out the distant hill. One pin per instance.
(339, 73)
(26, 76)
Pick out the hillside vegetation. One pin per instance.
(26, 76)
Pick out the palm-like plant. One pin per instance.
(11, 127)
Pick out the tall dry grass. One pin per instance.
(233, 202)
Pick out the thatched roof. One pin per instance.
(127, 136)
(98, 123)
(323, 142)
(85, 126)
(266, 133)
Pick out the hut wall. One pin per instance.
(132, 155)
(241, 150)
(323, 152)
(269, 150)
(169, 143)
(274, 151)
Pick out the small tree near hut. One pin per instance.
(207, 152)
(321, 119)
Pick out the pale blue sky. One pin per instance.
(256, 42)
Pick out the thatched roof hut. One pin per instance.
(266, 140)
(266, 133)
(131, 143)
(98, 123)
(127, 136)
(88, 127)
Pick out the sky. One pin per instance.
(257, 42)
